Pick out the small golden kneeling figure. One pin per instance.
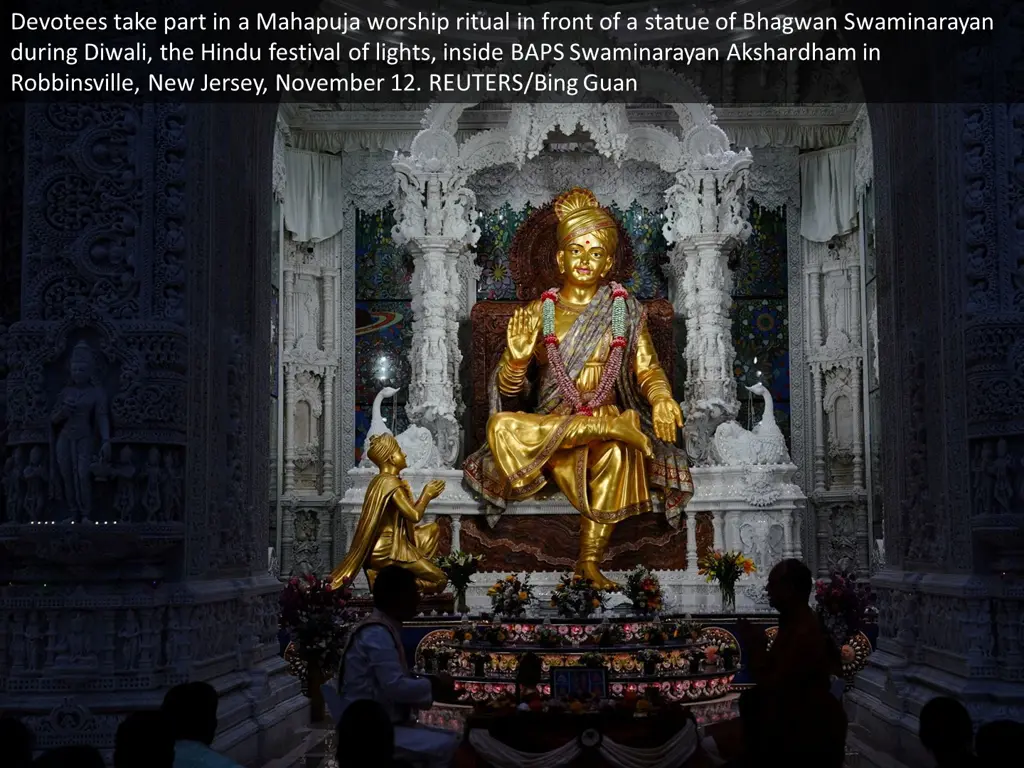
(387, 533)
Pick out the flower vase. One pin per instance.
(317, 707)
(728, 597)
(461, 606)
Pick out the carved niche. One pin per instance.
(307, 416)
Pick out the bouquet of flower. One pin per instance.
(314, 615)
(650, 659)
(511, 596)
(726, 568)
(592, 660)
(577, 597)
(549, 637)
(644, 590)
(842, 603)
(655, 633)
(459, 567)
(687, 629)
(608, 634)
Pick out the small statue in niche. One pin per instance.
(35, 481)
(13, 484)
(131, 634)
(171, 487)
(151, 479)
(80, 414)
(1002, 467)
(33, 642)
(125, 496)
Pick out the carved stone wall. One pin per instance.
(835, 357)
(950, 321)
(135, 543)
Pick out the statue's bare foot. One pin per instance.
(589, 570)
(627, 429)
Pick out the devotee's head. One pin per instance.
(395, 593)
(191, 712)
(384, 450)
(789, 585)
(587, 237)
(16, 742)
(366, 736)
(945, 728)
(530, 670)
(998, 739)
(79, 756)
(144, 740)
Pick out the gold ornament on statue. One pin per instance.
(388, 532)
(606, 422)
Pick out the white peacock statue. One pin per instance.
(417, 442)
(764, 444)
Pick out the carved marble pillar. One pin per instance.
(706, 218)
(718, 530)
(691, 541)
(819, 429)
(141, 361)
(436, 219)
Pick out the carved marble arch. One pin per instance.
(529, 125)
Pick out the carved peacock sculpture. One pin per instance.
(734, 446)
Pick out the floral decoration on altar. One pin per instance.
(577, 597)
(726, 568)
(460, 567)
(842, 603)
(511, 596)
(314, 615)
(643, 588)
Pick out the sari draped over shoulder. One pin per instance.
(605, 480)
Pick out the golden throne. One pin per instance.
(532, 263)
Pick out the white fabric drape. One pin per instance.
(673, 753)
(828, 193)
(314, 195)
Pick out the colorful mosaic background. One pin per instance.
(384, 323)
(760, 312)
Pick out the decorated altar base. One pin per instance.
(756, 509)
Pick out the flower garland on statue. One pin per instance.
(585, 405)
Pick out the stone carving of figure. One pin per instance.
(79, 416)
(13, 484)
(151, 476)
(35, 482)
(310, 331)
(131, 634)
(389, 531)
(606, 421)
(171, 487)
(125, 496)
(984, 479)
(1001, 469)
(33, 642)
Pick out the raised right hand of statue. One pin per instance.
(522, 335)
(434, 488)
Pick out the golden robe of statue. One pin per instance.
(387, 533)
(606, 422)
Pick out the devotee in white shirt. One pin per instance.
(374, 667)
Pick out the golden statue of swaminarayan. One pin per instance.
(387, 533)
(605, 425)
